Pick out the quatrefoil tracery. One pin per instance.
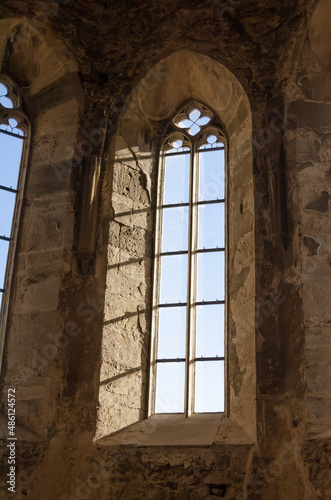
(193, 125)
(9, 95)
(12, 119)
(193, 118)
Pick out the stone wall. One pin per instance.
(52, 99)
(79, 307)
(308, 138)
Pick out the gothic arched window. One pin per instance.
(189, 296)
(14, 130)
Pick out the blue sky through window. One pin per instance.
(4, 245)
(11, 152)
(177, 179)
(4, 99)
(11, 146)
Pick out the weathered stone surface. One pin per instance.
(77, 347)
(312, 245)
(320, 205)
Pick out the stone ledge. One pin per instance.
(317, 430)
(176, 430)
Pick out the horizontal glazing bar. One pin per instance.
(206, 250)
(182, 360)
(12, 134)
(11, 190)
(176, 154)
(180, 252)
(174, 205)
(209, 202)
(171, 360)
(214, 358)
(170, 412)
(2, 290)
(202, 150)
(204, 202)
(5, 238)
(177, 304)
(208, 303)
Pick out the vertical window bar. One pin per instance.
(188, 379)
(194, 245)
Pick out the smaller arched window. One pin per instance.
(189, 293)
(14, 131)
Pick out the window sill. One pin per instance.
(326, 434)
(176, 430)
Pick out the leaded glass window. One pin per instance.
(14, 129)
(189, 296)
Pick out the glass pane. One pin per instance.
(210, 276)
(194, 129)
(5, 101)
(203, 120)
(211, 226)
(1, 297)
(177, 179)
(175, 229)
(210, 330)
(10, 154)
(185, 123)
(172, 332)
(194, 114)
(211, 175)
(173, 279)
(170, 387)
(4, 246)
(7, 205)
(209, 386)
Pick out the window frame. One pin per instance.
(171, 131)
(23, 123)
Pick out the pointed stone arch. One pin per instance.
(52, 98)
(182, 76)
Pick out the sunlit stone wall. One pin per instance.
(173, 81)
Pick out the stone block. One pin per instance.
(39, 295)
(241, 172)
(311, 115)
(123, 208)
(318, 345)
(45, 220)
(32, 329)
(318, 379)
(316, 301)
